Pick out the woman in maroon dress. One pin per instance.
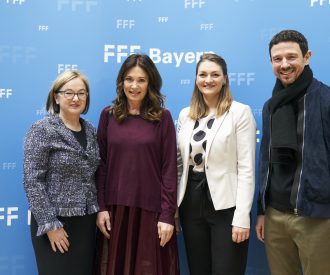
(137, 178)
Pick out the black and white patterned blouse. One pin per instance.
(197, 148)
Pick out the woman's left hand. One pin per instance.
(165, 232)
(240, 234)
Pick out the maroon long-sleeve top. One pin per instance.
(138, 164)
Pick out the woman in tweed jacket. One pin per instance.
(61, 156)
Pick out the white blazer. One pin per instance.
(229, 160)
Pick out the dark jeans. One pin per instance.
(208, 233)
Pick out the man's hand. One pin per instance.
(260, 228)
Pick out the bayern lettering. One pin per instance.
(158, 56)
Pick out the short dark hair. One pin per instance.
(58, 83)
(153, 103)
(290, 36)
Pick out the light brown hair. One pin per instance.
(198, 107)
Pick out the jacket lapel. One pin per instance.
(215, 128)
(65, 133)
(90, 136)
(188, 129)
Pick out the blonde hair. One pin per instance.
(198, 107)
(58, 83)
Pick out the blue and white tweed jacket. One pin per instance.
(59, 174)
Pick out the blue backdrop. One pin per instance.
(40, 39)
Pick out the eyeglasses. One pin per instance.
(69, 94)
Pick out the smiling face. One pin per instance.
(72, 106)
(135, 86)
(210, 79)
(288, 62)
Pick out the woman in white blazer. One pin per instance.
(216, 149)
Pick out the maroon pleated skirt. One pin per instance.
(133, 247)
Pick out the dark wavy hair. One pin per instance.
(152, 106)
(290, 36)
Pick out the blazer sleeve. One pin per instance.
(36, 153)
(246, 144)
(263, 158)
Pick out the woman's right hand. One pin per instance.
(103, 223)
(59, 238)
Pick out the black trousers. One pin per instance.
(208, 233)
(79, 259)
